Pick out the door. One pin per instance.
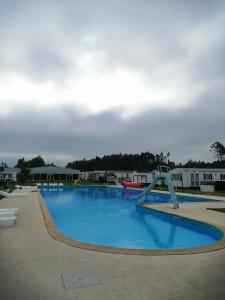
(194, 179)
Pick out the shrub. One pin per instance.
(220, 186)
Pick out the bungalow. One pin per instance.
(182, 177)
(144, 177)
(53, 173)
(9, 174)
(195, 177)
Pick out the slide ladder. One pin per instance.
(118, 184)
(161, 174)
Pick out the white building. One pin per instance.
(194, 177)
(53, 173)
(144, 177)
(182, 177)
(9, 174)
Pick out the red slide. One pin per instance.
(134, 184)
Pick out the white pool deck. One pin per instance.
(31, 263)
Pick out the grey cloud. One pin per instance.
(43, 40)
(59, 132)
(210, 65)
(47, 37)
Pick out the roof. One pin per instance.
(113, 171)
(133, 172)
(53, 170)
(10, 170)
(199, 170)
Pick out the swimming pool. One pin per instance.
(108, 217)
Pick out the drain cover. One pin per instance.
(76, 280)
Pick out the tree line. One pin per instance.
(145, 161)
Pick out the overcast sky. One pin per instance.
(86, 78)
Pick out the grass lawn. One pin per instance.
(11, 187)
(83, 183)
(192, 191)
(222, 210)
(216, 193)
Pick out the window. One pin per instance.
(222, 176)
(177, 177)
(70, 177)
(207, 176)
(141, 178)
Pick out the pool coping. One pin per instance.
(53, 232)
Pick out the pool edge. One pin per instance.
(53, 232)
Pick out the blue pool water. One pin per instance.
(108, 217)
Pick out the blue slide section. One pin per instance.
(141, 197)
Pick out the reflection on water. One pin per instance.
(148, 221)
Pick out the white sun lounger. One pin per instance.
(18, 186)
(7, 214)
(13, 210)
(7, 221)
(12, 195)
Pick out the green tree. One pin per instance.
(3, 166)
(145, 161)
(24, 175)
(37, 161)
(219, 149)
(21, 163)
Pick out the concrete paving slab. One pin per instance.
(73, 280)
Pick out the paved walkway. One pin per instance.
(31, 264)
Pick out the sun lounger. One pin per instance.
(14, 210)
(18, 186)
(7, 221)
(55, 184)
(7, 213)
(12, 195)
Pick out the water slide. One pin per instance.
(159, 175)
(118, 184)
